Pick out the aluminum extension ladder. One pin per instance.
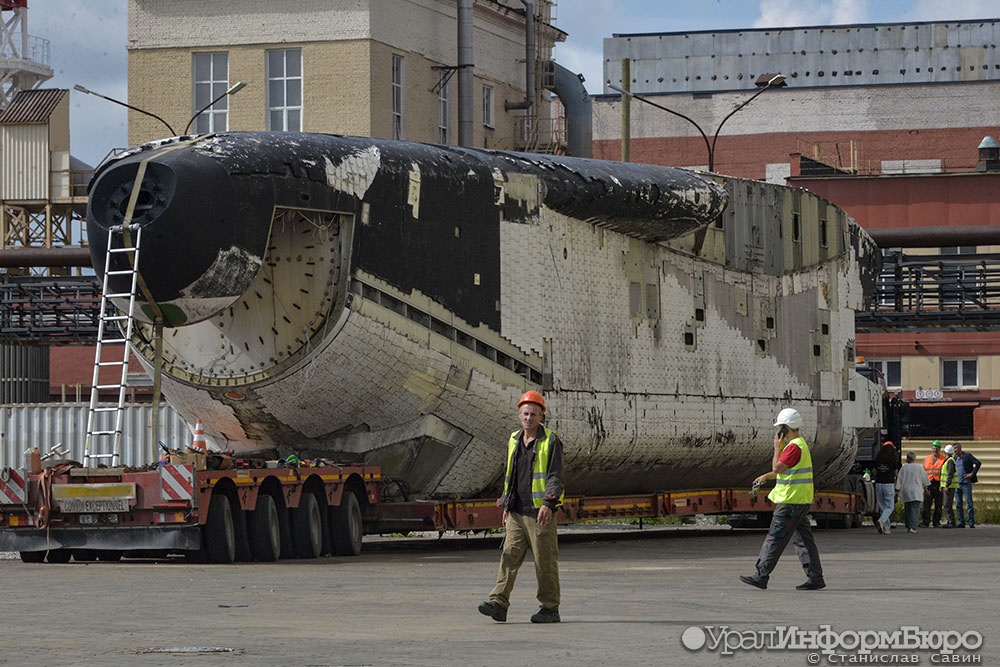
(114, 331)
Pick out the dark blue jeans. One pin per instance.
(964, 503)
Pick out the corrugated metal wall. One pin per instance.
(987, 451)
(49, 424)
(25, 155)
(24, 374)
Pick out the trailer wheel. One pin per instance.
(59, 555)
(307, 527)
(347, 527)
(33, 556)
(84, 555)
(219, 531)
(264, 530)
(109, 555)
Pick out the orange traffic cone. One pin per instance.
(199, 437)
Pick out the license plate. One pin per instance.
(98, 519)
(93, 498)
(75, 505)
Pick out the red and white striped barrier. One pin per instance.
(176, 482)
(13, 490)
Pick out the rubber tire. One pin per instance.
(59, 556)
(264, 530)
(109, 555)
(33, 556)
(346, 526)
(307, 527)
(219, 531)
(240, 518)
(84, 555)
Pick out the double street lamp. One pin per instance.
(235, 88)
(764, 82)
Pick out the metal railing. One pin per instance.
(934, 292)
(42, 310)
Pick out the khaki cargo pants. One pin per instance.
(523, 532)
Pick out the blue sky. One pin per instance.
(88, 40)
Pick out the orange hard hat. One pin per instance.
(532, 397)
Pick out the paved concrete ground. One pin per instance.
(629, 598)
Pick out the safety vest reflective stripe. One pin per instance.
(951, 470)
(539, 470)
(933, 467)
(794, 486)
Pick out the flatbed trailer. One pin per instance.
(264, 511)
(830, 507)
(258, 513)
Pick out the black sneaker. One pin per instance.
(754, 581)
(545, 616)
(961, 525)
(493, 610)
(811, 586)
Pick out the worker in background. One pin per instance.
(910, 483)
(932, 492)
(792, 470)
(532, 492)
(949, 485)
(886, 463)
(967, 470)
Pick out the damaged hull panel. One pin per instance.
(389, 301)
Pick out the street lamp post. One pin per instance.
(236, 87)
(764, 82)
(81, 89)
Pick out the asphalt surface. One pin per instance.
(667, 596)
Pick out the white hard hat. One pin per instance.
(790, 418)
(949, 450)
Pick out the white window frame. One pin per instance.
(963, 368)
(283, 116)
(398, 97)
(443, 115)
(489, 119)
(204, 90)
(884, 365)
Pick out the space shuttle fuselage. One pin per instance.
(385, 301)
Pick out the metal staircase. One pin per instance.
(114, 331)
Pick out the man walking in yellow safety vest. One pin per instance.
(932, 493)
(791, 467)
(949, 485)
(532, 492)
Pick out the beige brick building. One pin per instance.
(380, 68)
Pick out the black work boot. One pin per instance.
(493, 610)
(546, 616)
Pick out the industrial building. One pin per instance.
(884, 120)
(438, 71)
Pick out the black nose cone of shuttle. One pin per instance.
(202, 233)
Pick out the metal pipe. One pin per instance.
(935, 237)
(29, 256)
(529, 59)
(569, 88)
(466, 82)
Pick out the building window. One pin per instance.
(211, 80)
(488, 106)
(443, 114)
(284, 90)
(891, 371)
(959, 373)
(397, 97)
